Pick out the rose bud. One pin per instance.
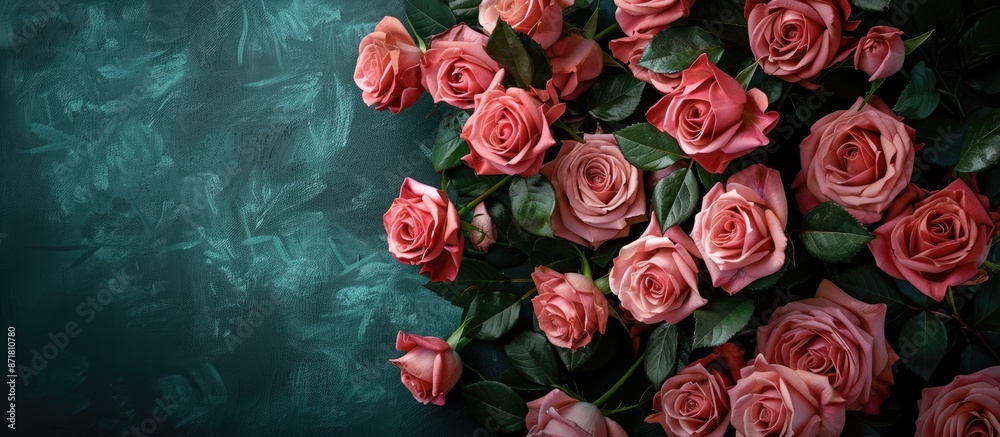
(969, 405)
(629, 50)
(424, 229)
(644, 15)
(542, 20)
(388, 67)
(557, 414)
(485, 233)
(880, 53)
(456, 67)
(429, 369)
(576, 63)
(569, 308)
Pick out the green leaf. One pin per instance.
(661, 353)
(872, 5)
(449, 147)
(920, 97)
(573, 360)
(675, 198)
(615, 98)
(533, 199)
(465, 10)
(986, 303)
(495, 406)
(709, 179)
(922, 343)
(980, 42)
(521, 56)
(747, 75)
(975, 358)
(429, 17)
(531, 355)
(912, 44)
(492, 315)
(832, 234)
(867, 284)
(676, 48)
(474, 276)
(981, 147)
(647, 148)
(718, 321)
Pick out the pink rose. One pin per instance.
(644, 15)
(968, 406)
(542, 20)
(796, 40)
(599, 194)
(860, 160)
(509, 131)
(429, 369)
(771, 399)
(656, 276)
(740, 230)
(388, 68)
(695, 402)
(880, 53)
(836, 336)
(485, 232)
(939, 241)
(456, 67)
(629, 50)
(424, 229)
(569, 308)
(713, 120)
(558, 415)
(576, 63)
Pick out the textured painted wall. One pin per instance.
(196, 188)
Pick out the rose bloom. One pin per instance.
(569, 308)
(880, 53)
(599, 194)
(644, 15)
(576, 63)
(509, 131)
(629, 50)
(656, 276)
(485, 232)
(542, 20)
(938, 241)
(836, 336)
(429, 369)
(740, 230)
(796, 40)
(423, 229)
(557, 414)
(456, 67)
(695, 402)
(712, 118)
(968, 406)
(771, 399)
(859, 159)
(388, 68)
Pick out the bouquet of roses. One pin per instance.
(771, 216)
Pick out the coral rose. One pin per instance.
(542, 20)
(557, 414)
(569, 308)
(429, 369)
(456, 67)
(880, 53)
(388, 67)
(423, 229)
(576, 63)
(695, 402)
(967, 406)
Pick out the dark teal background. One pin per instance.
(196, 188)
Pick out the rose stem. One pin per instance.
(954, 311)
(606, 32)
(468, 207)
(600, 401)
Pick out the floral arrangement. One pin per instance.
(703, 216)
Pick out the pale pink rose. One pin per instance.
(509, 131)
(558, 415)
(712, 118)
(656, 276)
(695, 402)
(569, 308)
(429, 369)
(771, 399)
(485, 232)
(968, 406)
(937, 242)
(836, 336)
(576, 63)
(644, 15)
(542, 20)
(424, 229)
(599, 194)
(456, 67)
(859, 159)
(796, 40)
(388, 67)
(880, 53)
(740, 230)
(629, 50)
